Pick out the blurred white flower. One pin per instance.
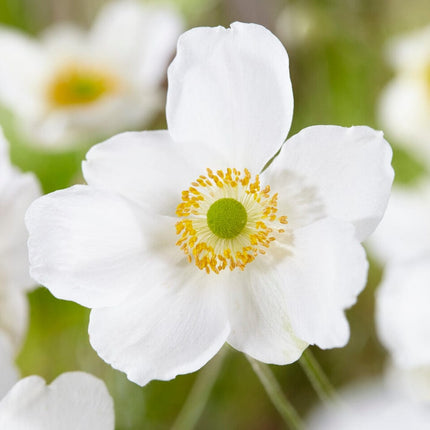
(371, 406)
(72, 85)
(17, 191)
(404, 232)
(404, 107)
(403, 323)
(182, 241)
(8, 373)
(74, 401)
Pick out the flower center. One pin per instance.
(75, 85)
(226, 220)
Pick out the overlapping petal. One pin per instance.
(87, 245)
(140, 165)
(175, 328)
(258, 314)
(349, 168)
(322, 277)
(230, 90)
(74, 401)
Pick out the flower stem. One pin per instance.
(199, 394)
(317, 377)
(278, 398)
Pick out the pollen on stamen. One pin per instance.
(257, 230)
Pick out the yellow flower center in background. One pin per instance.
(226, 220)
(78, 85)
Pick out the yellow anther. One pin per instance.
(212, 253)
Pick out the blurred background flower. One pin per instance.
(71, 86)
(17, 191)
(373, 406)
(9, 372)
(339, 69)
(74, 401)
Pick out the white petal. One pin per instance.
(411, 51)
(404, 112)
(413, 382)
(175, 328)
(145, 167)
(322, 277)
(402, 312)
(9, 373)
(17, 191)
(230, 90)
(74, 401)
(370, 406)
(260, 325)
(404, 231)
(13, 314)
(86, 245)
(139, 37)
(348, 167)
(4, 148)
(64, 40)
(22, 68)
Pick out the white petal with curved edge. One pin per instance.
(86, 245)
(323, 275)
(230, 90)
(9, 373)
(349, 168)
(146, 167)
(176, 328)
(22, 69)
(258, 314)
(126, 28)
(74, 401)
(404, 231)
(402, 312)
(17, 191)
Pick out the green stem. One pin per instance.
(278, 398)
(199, 394)
(317, 377)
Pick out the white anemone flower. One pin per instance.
(17, 191)
(9, 373)
(403, 323)
(74, 401)
(181, 241)
(371, 406)
(404, 232)
(404, 107)
(70, 85)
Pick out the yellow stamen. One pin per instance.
(80, 84)
(213, 253)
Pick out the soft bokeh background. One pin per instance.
(338, 69)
